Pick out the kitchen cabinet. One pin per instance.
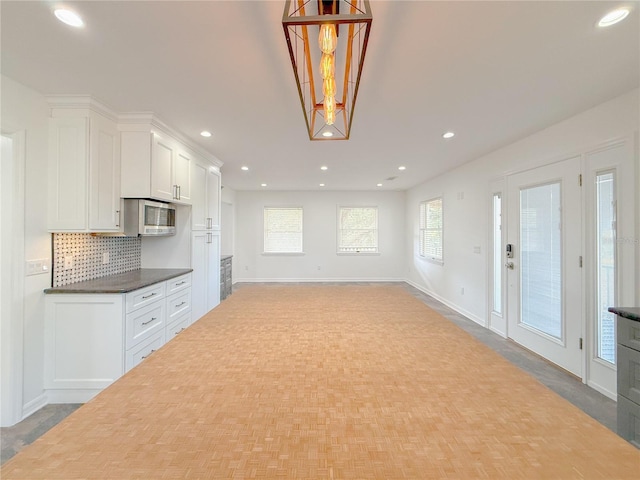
(205, 261)
(92, 339)
(628, 360)
(155, 165)
(205, 207)
(83, 171)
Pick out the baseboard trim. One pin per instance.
(603, 391)
(34, 405)
(449, 304)
(317, 280)
(76, 395)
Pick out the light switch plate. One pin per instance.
(37, 267)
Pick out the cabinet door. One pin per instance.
(213, 200)
(205, 278)
(182, 176)
(199, 197)
(68, 153)
(104, 175)
(162, 164)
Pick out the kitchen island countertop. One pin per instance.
(632, 313)
(121, 282)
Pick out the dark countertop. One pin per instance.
(122, 282)
(224, 257)
(632, 313)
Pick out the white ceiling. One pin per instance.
(493, 72)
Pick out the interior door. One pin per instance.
(544, 277)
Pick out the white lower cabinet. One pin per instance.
(91, 340)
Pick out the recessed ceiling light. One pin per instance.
(245, 168)
(613, 17)
(327, 134)
(205, 133)
(322, 184)
(448, 135)
(324, 167)
(263, 184)
(69, 17)
(402, 167)
(379, 185)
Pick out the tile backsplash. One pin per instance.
(87, 252)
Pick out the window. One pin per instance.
(358, 230)
(283, 230)
(431, 229)
(606, 264)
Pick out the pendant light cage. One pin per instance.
(347, 24)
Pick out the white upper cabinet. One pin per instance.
(163, 157)
(155, 165)
(205, 188)
(84, 169)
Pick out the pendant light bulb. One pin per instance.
(329, 87)
(327, 65)
(330, 117)
(329, 103)
(328, 38)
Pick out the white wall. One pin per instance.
(227, 220)
(25, 110)
(466, 220)
(319, 238)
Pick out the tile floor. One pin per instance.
(591, 402)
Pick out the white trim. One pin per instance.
(602, 390)
(451, 305)
(317, 280)
(34, 405)
(76, 395)
(13, 241)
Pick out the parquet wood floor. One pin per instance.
(334, 382)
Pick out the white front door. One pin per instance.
(544, 279)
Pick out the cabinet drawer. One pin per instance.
(629, 420)
(178, 304)
(144, 322)
(628, 332)
(144, 296)
(138, 353)
(178, 326)
(179, 283)
(629, 373)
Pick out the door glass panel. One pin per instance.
(497, 253)
(605, 261)
(541, 259)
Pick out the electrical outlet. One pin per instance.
(319, 267)
(36, 267)
(105, 258)
(68, 262)
(476, 249)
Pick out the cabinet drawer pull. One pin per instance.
(175, 192)
(179, 192)
(148, 354)
(118, 214)
(179, 305)
(181, 283)
(149, 321)
(180, 331)
(144, 297)
(209, 222)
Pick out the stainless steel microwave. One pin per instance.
(148, 218)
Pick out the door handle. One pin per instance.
(509, 265)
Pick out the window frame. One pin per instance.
(264, 230)
(422, 219)
(339, 230)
